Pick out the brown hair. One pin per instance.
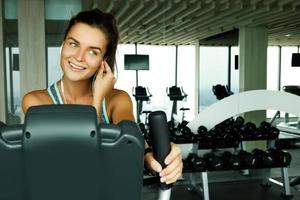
(106, 22)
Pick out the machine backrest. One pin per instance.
(61, 152)
(141, 94)
(175, 93)
(221, 91)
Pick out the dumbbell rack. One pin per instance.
(240, 103)
(204, 188)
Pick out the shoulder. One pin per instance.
(119, 98)
(35, 98)
(117, 94)
(120, 106)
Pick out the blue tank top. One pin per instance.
(56, 98)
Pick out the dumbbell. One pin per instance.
(273, 133)
(263, 130)
(266, 159)
(248, 160)
(249, 130)
(195, 162)
(201, 134)
(187, 134)
(210, 139)
(213, 162)
(239, 122)
(282, 158)
(231, 161)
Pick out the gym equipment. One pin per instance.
(221, 91)
(213, 162)
(249, 130)
(239, 122)
(231, 161)
(159, 131)
(61, 152)
(175, 94)
(273, 133)
(249, 161)
(292, 127)
(239, 103)
(141, 94)
(281, 158)
(265, 159)
(195, 163)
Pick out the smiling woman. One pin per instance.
(87, 60)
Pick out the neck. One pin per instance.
(74, 92)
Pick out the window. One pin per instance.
(213, 70)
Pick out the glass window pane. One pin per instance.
(272, 73)
(234, 82)
(213, 70)
(289, 75)
(54, 69)
(186, 78)
(125, 78)
(13, 98)
(160, 76)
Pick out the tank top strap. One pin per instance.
(104, 115)
(54, 94)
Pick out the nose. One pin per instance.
(79, 55)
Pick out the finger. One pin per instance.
(101, 70)
(173, 176)
(171, 167)
(152, 163)
(107, 67)
(175, 153)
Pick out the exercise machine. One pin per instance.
(175, 94)
(291, 128)
(61, 152)
(141, 94)
(221, 91)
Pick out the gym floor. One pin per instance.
(234, 186)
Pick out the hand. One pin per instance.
(104, 81)
(174, 165)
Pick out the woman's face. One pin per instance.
(82, 51)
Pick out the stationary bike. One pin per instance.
(176, 94)
(142, 95)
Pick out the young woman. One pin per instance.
(87, 60)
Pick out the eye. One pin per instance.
(73, 44)
(93, 52)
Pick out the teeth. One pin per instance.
(76, 66)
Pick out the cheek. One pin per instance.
(93, 63)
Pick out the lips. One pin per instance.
(75, 67)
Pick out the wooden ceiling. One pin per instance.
(188, 22)
(181, 22)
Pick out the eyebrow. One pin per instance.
(93, 47)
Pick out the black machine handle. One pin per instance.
(159, 132)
